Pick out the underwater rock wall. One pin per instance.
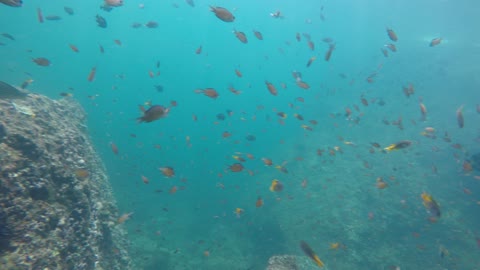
(57, 209)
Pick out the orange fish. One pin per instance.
(271, 88)
(380, 183)
(91, 75)
(73, 47)
(259, 202)
(435, 42)
(267, 161)
(460, 120)
(173, 190)
(114, 148)
(167, 171)
(235, 91)
(124, 217)
(392, 35)
(209, 92)
(226, 134)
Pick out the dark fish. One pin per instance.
(101, 22)
(12, 3)
(241, 36)
(42, 61)
(69, 10)
(258, 34)
(136, 25)
(250, 137)
(53, 18)
(310, 253)
(8, 91)
(158, 87)
(153, 113)
(151, 24)
(221, 116)
(223, 14)
(190, 3)
(8, 36)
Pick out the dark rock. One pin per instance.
(3, 132)
(26, 146)
(39, 193)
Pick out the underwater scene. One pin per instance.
(250, 135)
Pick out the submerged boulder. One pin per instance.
(53, 215)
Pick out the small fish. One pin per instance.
(391, 47)
(276, 186)
(223, 14)
(328, 54)
(250, 137)
(100, 47)
(310, 61)
(310, 253)
(53, 18)
(258, 35)
(124, 217)
(423, 110)
(460, 120)
(101, 22)
(391, 34)
(12, 3)
(190, 3)
(241, 36)
(8, 36)
(153, 113)
(39, 15)
(236, 167)
(73, 47)
(151, 24)
(271, 88)
(42, 61)
(259, 202)
(435, 42)
(114, 148)
(209, 92)
(91, 75)
(113, 3)
(167, 171)
(145, 180)
(69, 10)
(198, 50)
(431, 205)
(398, 145)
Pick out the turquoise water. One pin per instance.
(375, 228)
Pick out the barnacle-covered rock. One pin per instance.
(49, 217)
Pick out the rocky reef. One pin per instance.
(57, 210)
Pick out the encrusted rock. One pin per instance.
(282, 262)
(49, 217)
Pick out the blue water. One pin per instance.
(377, 228)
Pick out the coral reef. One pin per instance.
(57, 208)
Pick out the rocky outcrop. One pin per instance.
(57, 208)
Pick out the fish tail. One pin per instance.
(390, 147)
(318, 261)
